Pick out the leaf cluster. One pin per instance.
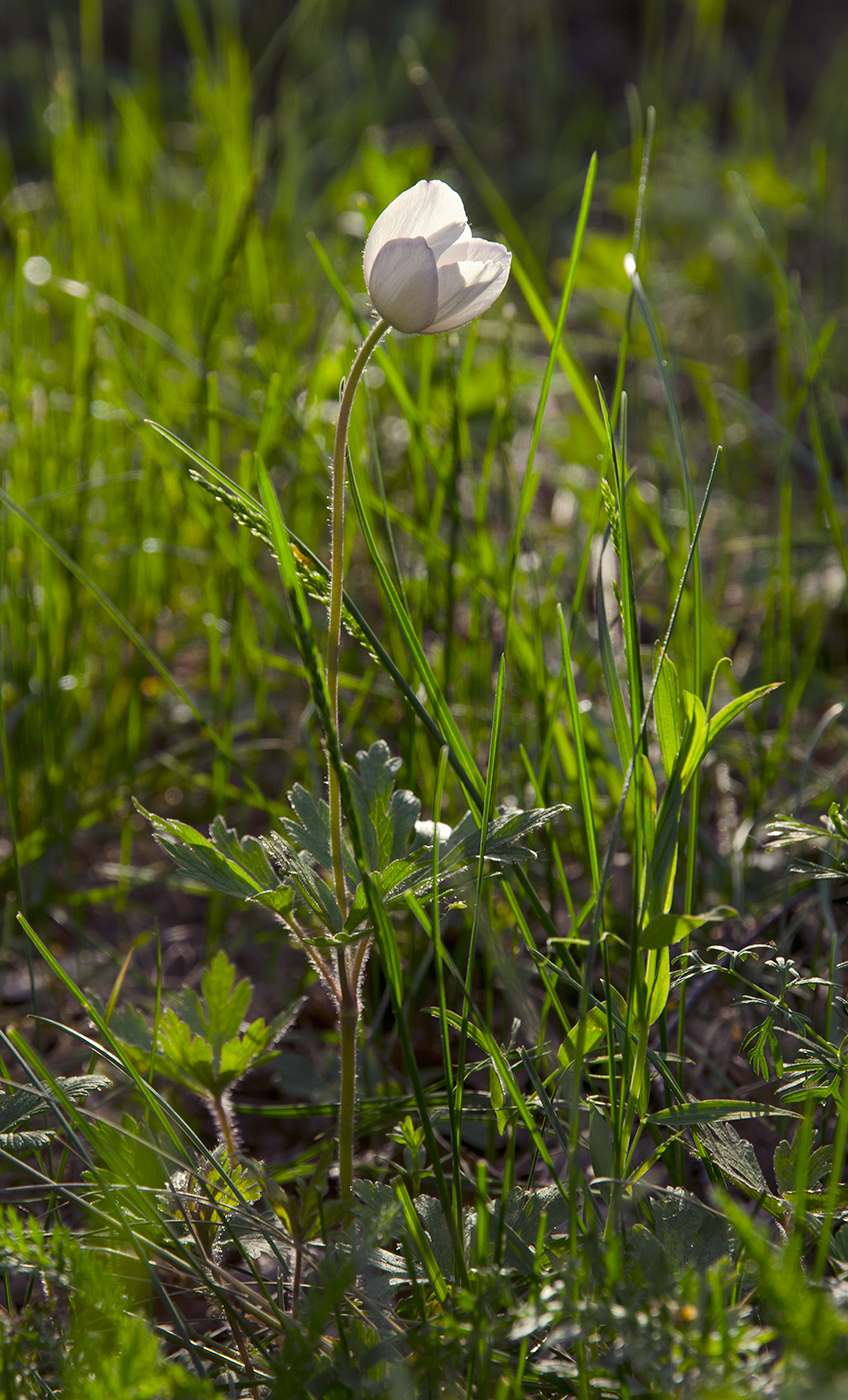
(205, 1042)
(20, 1105)
(288, 871)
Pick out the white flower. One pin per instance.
(423, 270)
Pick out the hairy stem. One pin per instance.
(227, 1129)
(348, 1027)
(336, 584)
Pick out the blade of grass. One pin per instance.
(594, 938)
(529, 481)
(138, 641)
(488, 809)
(441, 774)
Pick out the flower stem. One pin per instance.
(335, 610)
(348, 1001)
(348, 1027)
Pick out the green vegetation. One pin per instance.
(590, 757)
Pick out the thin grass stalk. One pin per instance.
(488, 808)
(8, 777)
(637, 999)
(138, 641)
(528, 482)
(697, 620)
(624, 345)
(557, 865)
(343, 986)
(436, 929)
(594, 938)
(390, 957)
(840, 1142)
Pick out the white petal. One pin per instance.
(472, 250)
(467, 289)
(431, 210)
(404, 285)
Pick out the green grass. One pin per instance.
(567, 1183)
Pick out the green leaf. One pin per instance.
(663, 860)
(130, 1027)
(523, 1210)
(420, 1240)
(300, 876)
(665, 929)
(498, 1099)
(595, 1030)
(201, 860)
(711, 730)
(734, 1156)
(245, 852)
(658, 978)
(226, 1000)
(736, 707)
(623, 737)
(387, 818)
(30, 1141)
(667, 714)
(311, 831)
(600, 1145)
(692, 1236)
(715, 1111)
(786, 1164)
(19, 1106)
(204, 1041)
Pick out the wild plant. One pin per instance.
(550, 1210)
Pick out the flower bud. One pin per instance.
(424, 271)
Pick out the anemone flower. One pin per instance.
(423, 270)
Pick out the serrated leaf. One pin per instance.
(692, 1236)
(522, 1215)
(30, 1141)
(128, 1024)
(79, 1086)
(204, 1041)
(312, 829)
(245, 852)
(303, 878)
(198, 858)
(734, 1156)
(377, 1198)
(226, 1000)
(376, 778)
(648, 1256)
(432, 1217)
(786, 1165)
(404, 810)
(21, 1104)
